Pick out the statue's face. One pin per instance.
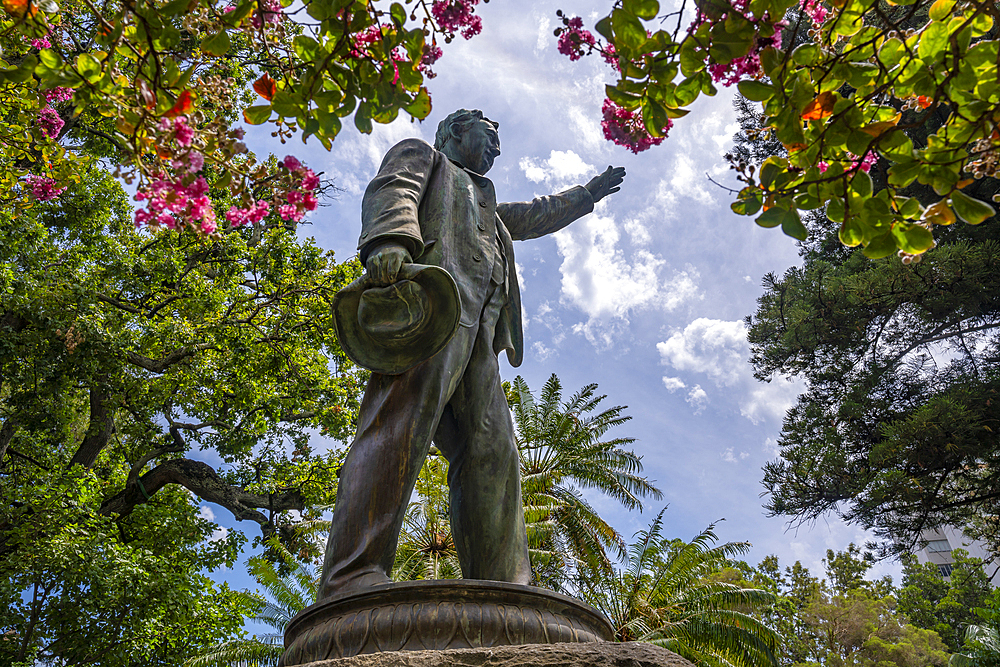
(478, 146)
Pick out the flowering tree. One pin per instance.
(157, 86)
(843, 85)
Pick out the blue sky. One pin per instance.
(646, 296)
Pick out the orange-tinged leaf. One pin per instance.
(821, 107)
(924, 101)
(18, 8)
(148, 98)
(792, 148)
(769, 202)
(939, 213)
(185, 104)
(879, 128)
(265, 86)
(965, 183)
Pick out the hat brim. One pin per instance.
(444, 314)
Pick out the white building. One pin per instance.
(940, 542)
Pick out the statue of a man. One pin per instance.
(434, 206)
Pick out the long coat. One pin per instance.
(448, 216)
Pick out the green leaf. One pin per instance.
(941, 9)
(644, 9)
(791, 225)
(257, 115)
(603, 27)
(882, 245)
(972, 211)
(628, 31)
(420, 107)
(692, 61)
(654, 117)
(772, 217)
(398, 14)
(756, 91)
(749, 201)
(911, 208)
(904, 173)
(806, 54)
(933, 42)
(862, 184)
(50, 58)
(217, 44)
(621, 98)
(912, 238)
(851, 234)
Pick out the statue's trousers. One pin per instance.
(454, 399)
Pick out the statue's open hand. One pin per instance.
(384, 262)
(607, 183)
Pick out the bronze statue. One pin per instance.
(433, 208)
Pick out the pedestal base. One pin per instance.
(603, 654)
(439, 615)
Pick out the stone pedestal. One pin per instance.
(438, 616)
(592, 654)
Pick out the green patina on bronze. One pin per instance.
(433, 206)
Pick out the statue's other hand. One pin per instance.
(607, 183)
(384, 262)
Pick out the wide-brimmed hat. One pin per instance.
(391, 329)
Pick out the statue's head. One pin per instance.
(470, 139)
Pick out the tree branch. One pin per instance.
(7, 434)
(102, 426)
(160, 365)
(202, 480)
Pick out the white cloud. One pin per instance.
(697, 398)
(561, 168)
(673, 384)
(205, 512)
(541, 352)
(727, 455)
(719, 350)
(771, 399)
(604, 282)
(771, 447)
(716, 348)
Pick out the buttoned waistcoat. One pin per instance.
(448, 216)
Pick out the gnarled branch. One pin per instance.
(102, 426)
(202, 480)
(160, 365)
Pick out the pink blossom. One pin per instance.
(815, 10)
(431, 54)
(50, 122)
(171, 204)
(309, 201)
(455, 15)
(289, 212)
(183, 132)
(239, 133)
(294, 197)
(41, 43)
(43, 188)
(865, 163)
(237, 217)
(310, 181)
(58, 94)
(823, 166)
(575, 42)
(625, 128)
(270, 10)
(292, 163)
(195, 161)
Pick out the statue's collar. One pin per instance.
(476, 176)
